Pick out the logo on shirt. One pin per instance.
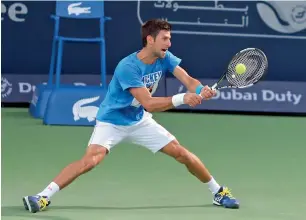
(151, 81)
(151, 78)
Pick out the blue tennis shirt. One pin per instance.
(119, 106)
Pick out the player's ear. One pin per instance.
(150, 39)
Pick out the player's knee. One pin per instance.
(92, 158)
(183, 155)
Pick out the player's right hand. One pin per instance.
(192, 99)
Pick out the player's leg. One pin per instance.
(103, 138)
(222, 195)
(157, 139)
(93, 156)
(193, 164)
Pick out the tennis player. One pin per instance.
(126, 110)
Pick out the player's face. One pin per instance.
(162, 43)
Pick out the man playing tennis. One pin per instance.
(121, 115)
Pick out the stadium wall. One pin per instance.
(204, 41)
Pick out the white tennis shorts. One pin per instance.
(147, 133)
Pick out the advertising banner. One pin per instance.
(266, 96)
(20, 87)
(205, 35)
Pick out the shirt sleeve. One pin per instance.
(129, 77)
(171, 62)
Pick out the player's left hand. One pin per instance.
(208, 93)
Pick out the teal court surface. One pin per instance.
(260, 158)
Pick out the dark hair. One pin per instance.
(152, 28)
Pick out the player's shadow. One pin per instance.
(12, 210)
(130, 207)
(19, 211)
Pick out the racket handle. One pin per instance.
(214, 86)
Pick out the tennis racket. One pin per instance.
(256, 64)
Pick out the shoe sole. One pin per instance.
(29, 205)
(218, 204)
(25, 203)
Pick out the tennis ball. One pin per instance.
(240, 68)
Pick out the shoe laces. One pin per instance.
(43, 202)
(226, 192)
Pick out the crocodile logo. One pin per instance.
(75, 9)
(89, 112)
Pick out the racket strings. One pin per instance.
(256, 64)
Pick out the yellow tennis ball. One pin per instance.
(240, 68)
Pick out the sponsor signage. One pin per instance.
(265, 96)
(20, 88)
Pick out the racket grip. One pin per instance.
(214, 86)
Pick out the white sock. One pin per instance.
(213, 186)
(50, 190)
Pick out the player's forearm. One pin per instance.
(193, 84)
(159, 104)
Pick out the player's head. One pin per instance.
(156, 36)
